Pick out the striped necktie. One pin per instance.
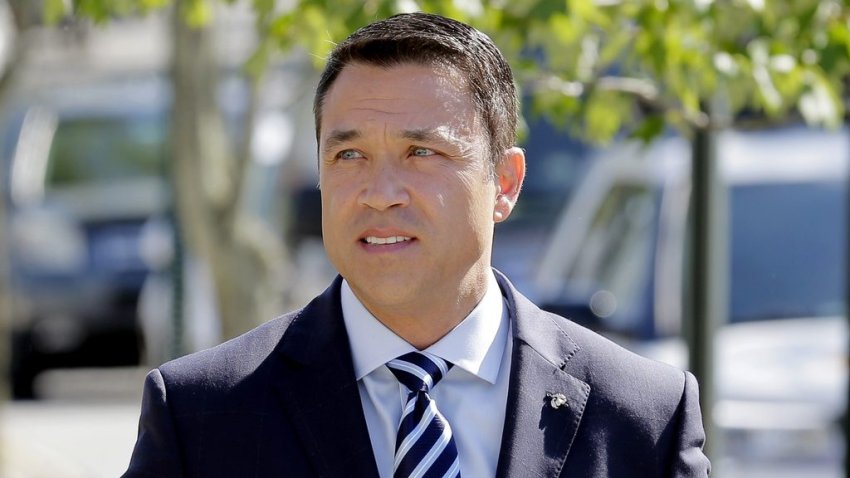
(424, 444)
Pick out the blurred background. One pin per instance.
(686, 196)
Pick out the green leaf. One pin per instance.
(149, 5)
(649, 129)
(673, 45)
(603, 116)
(197, 13)
(258, 62)
(96, 10)
(821, 104)
(54, 11)
(263, 8)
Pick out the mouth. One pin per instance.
(376, 240)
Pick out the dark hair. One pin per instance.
(428, 39)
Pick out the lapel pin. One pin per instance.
(557, 401)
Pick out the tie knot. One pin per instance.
(419, 371)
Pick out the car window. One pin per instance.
(614, 264)
(93, 150)
(788, 246)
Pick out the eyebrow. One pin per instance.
(422, 135)
(337, 137)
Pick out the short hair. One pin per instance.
(428, 39)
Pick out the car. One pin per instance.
(556, 164)
(617, 262)
(85, 166)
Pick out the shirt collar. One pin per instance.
(475, 345)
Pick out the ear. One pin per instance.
(509, 175)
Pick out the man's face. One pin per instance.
(408, 198)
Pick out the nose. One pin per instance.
(384, 188)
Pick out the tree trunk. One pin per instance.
(244, 257)
(708, 273)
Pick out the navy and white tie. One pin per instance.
(424, 444)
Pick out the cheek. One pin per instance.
(482, 197)
(336, 191)
(333, 210)
(473, 206)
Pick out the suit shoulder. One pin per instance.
(230, 360)
(648, 408)
(618, 372)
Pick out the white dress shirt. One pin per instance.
(472, 396)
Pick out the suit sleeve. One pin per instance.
(156, 453)
(689, 460)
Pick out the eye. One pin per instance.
(420, 151)
(349, 154)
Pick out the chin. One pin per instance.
(386, 289)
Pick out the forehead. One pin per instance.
(406, 95)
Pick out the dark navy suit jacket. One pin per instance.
(282, 401)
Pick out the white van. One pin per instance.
(616, 262)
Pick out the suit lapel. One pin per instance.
(320, 393)
(318, 387)
(537, 436)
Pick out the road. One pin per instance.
(85, 428)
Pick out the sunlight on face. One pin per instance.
(407, 195)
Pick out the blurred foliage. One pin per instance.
(600, 68)
(103, 10)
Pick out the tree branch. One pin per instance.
(642, 90)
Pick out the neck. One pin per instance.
(423, 323)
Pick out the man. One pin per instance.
(420, 360)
